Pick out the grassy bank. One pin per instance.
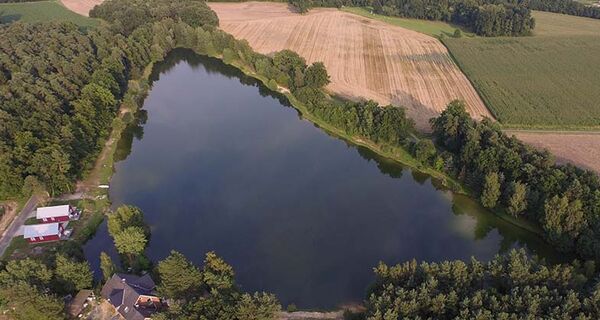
(433, 28)
(41, 11)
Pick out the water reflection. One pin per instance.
(297, 212)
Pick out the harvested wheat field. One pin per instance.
(366, 59)
(579, 148)
(82, 7)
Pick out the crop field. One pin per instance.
(549, 80)
(365, 58)
(82, 7)
(41, 11)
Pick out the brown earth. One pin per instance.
(365, 58)
(10, 211)
(579, 148)
(82, 7)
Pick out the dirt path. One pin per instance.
(366, 59)
(82, 7)
(10, 210)
(579, 148)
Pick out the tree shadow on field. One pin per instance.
(9, 17)
(415, 109)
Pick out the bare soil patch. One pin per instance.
(10, 211)
(579, 148)
(366, 59)
(82, 7)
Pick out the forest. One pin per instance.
(60, 88)
(512, 286)
(504, 173)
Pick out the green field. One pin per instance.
(42, 11)
(432, 28)
(549, 80)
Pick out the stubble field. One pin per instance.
(365, 58)
(82, 7)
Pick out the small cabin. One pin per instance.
(57, 214)
(45, 232)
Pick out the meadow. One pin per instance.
(548, 80)
(432, 28)
(41, 11)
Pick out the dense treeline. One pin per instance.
(59, 90)
(125, 16)
(569, 7)
(31, 288)
(209, 292)
(564, 200)
(512, 286)
(488, 18)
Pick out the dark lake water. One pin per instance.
(218, 163)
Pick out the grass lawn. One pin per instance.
(432, 28)
(42, 11)
(547, 81)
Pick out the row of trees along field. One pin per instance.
(488, 18)
(569, 7)
(563, 199)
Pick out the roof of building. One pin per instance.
(52, 212)
(123, 292)
(76, 305)
(40, 230)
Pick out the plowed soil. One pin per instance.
(366, 59)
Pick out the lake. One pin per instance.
(219, 163)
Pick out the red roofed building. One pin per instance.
(45, 232)
(57, 213)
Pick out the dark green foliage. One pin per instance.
(178, 277)
(55, 110)
(424, 151)
(107, 266)
(562, 199)
(72, 275)
(491, 190)
(209, 293)
(124, 217)
(511, 286)
(22, 301)
(130, 234)
(126, 15)
(302, 6)
(517, 201)
(316, 75)
(29, 288)
(569, 7)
